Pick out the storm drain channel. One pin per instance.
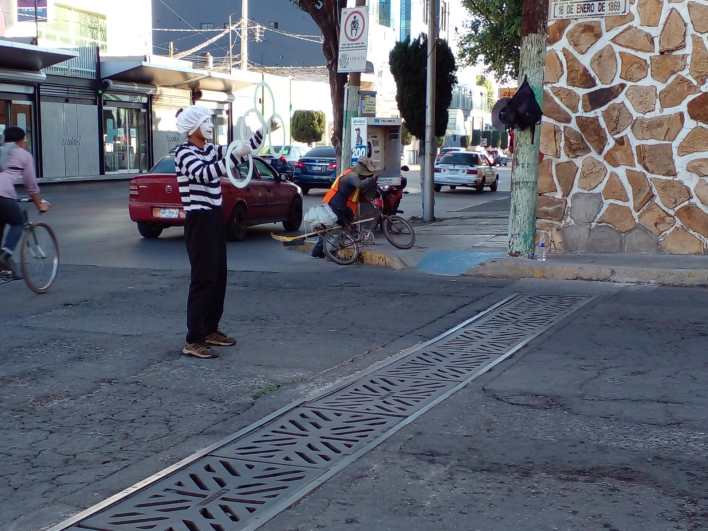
(246, 480)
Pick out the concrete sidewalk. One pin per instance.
(473, 240)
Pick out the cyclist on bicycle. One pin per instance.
(16, 166)
(343, 196)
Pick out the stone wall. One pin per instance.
(625, 132)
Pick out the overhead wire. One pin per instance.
(180, 17)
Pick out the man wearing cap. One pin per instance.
(343, 196)
(200, 167)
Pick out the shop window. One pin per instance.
(125, 139)
(18, 113)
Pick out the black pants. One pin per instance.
(10, 214)
(205, 236)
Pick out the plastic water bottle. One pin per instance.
(542, 257)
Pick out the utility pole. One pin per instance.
(524, 186)
(244, 34)
(231, 45)
(430, 96)
(351, 110)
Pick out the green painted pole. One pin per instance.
(524, 179)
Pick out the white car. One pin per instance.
(446, 150)
(465, 169)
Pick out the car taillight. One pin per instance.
(133, 189)
(300, 164)
(332, 166)
(471, 172)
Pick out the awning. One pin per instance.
(26, 57)
(173, 74)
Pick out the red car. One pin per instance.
(155, 202)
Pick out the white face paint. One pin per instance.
(207, 129)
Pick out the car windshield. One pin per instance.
(322, 152)
(465, 159)
(164, 165)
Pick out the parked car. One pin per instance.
(444, 151)
(471, 170)
(317, 169)
(504, 160)
(284, 158)
(155, 203)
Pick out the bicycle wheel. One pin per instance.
(398, 232)
(39, 257)
(340, 247)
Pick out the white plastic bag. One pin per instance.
(320, 215)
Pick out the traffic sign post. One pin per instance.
(353, 40)
(353, 48)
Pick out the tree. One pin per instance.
(408, 61)
(494, 35)
(326, 14)
(308, 126)
(406, 136)
(483, 81)
(476, 137)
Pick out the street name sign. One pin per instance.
(588, 8)
(353, 40)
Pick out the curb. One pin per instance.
(367, 257)
(515, 268)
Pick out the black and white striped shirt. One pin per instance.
(199, 173)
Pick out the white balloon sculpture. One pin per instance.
(265, 129)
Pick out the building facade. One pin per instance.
(625, 132)
(63, 103)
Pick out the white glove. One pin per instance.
(242, 150)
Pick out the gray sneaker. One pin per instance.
(198, 350)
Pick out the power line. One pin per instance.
(180, 17)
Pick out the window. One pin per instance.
(462, 159)
(385, 12)
(405, 19)
(165, 165)
(265, 172)
(322, 152)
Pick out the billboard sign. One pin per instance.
(588, 8)
(353, 40)
(360, 146)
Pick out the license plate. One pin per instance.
(314, 169)
(167, 213)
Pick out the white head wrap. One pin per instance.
(191, 119)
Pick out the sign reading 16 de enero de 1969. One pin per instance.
(588, 8)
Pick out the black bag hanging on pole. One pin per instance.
(523, 110)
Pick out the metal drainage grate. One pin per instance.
(262, 470)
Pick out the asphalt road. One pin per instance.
(600, 424)
(93, 227)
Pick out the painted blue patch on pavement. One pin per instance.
(454, 263)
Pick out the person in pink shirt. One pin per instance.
(16, 167)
